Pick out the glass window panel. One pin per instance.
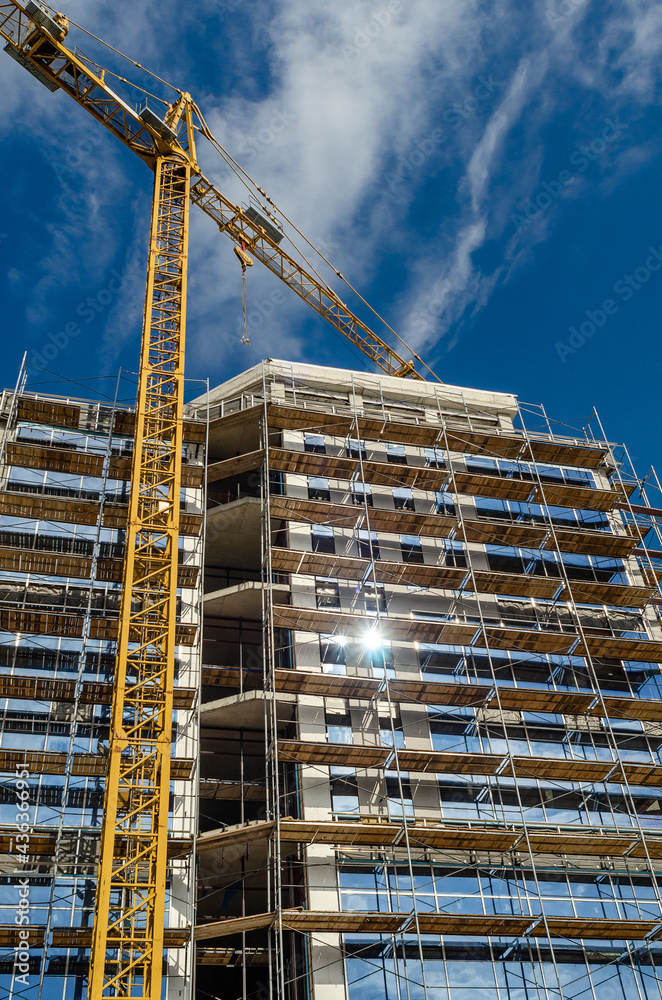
(362, 494)
(456, 885)
(435, 458)
(403, 882)
(403, 498)
(363, 901)
(455, 554)
(339, 734)
(444, 503)
(352, 448)
(597, 908)
(396, 453)
(327, 592)
(478, 976)
(332, 650)
(315, 443)
(322, 539)
(356, 878)
(374, 597)
(318, 489)
(367, 544)
(412, 550)
(344, 801)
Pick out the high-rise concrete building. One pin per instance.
(418, 705)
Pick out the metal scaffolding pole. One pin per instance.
(540, 987)
(273, 803)
(78, 688)
(378, 630)
(595, 683)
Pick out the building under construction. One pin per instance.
(418, 719)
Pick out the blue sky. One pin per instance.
(487, 174)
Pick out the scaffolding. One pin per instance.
(579, 614)
(64, 506)
(378, 707)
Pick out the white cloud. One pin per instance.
(480, 165)
(355, 87)
(642, 27)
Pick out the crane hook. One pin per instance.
(246, 261)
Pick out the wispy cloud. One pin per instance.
(451, 281)
(495, 182)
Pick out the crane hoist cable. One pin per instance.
(253, 186)
(246, 261)
(238, 171)
(204, 129)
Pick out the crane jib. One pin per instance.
(232, 220)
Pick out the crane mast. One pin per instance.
(127, 942)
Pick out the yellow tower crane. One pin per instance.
(127, 944)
